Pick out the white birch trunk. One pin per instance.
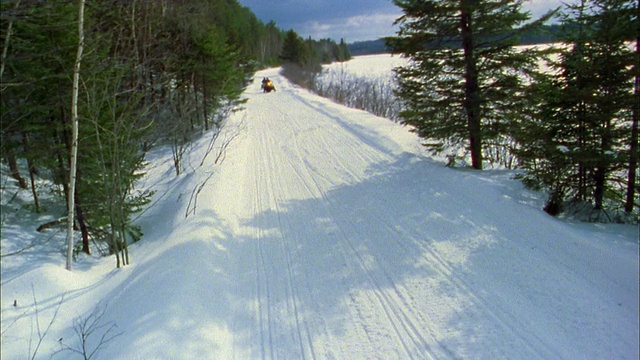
(74, 135)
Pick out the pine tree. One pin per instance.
(294, 49)
(465, 83)
(584, 110)
(632, 180)
(144, 63)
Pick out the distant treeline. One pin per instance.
(546, 34)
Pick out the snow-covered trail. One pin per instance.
(325, 234)
(320, 290)
(336, 240)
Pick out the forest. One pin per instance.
(570, 126)
(89, 87)
(149, 73)
(540, 35)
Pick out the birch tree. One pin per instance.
(74, 136)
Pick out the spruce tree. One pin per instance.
(632, 177)
(576, 145)
(294, 49)
(464, 85)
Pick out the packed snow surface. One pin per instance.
(323, 232)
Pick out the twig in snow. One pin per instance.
(41, 334)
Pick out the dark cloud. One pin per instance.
(353, 20)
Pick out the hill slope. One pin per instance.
(324, 233)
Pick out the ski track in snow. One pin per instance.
(326, 234)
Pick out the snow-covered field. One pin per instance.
(327, 234)
(374, 66)
(380, 66)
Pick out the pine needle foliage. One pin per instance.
(465, 83)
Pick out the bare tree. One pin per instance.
(92, 334)
(42, 333)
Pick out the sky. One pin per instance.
(351, 20)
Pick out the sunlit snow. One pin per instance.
(328, 233)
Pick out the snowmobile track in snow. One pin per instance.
(326, 233)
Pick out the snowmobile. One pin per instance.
(267, 85)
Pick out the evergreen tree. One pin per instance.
(294, 50)
(152, 72)
(465, 83)
(632, 178)
(576, 144)
(345, 53)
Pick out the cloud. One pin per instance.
(352, 28)
(538, 8)
(372, 20)
(353, 20)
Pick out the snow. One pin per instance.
(326, 233)
(374, 66)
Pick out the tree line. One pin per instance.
(540, 35)
(303, 59)
(153, 73)
(573, 129)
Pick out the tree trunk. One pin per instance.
(74, 134)
(125, 246)
(114, 244)
(83, 229)
(5, 46)
(60, 171)
(601, 172)
(583, 168)
(32, 170)
(204, 103)
(13, 168)
(633, 150)
(600, 178)
(472, 89)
